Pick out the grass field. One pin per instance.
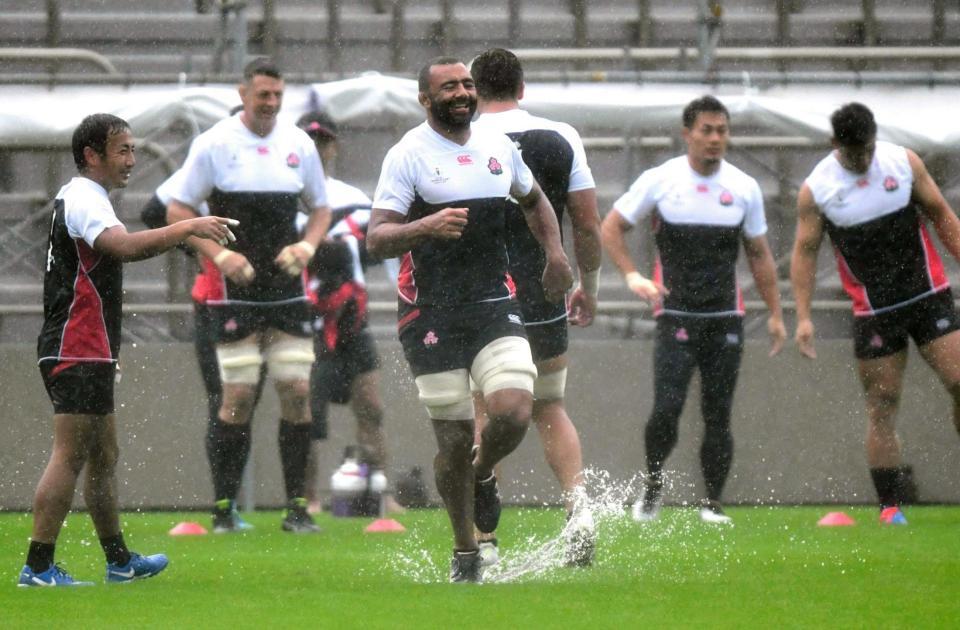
(774, 568)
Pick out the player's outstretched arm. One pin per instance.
(389, 235)
(764, 271)
(131, 246)
(542, 221)
(803, 267)
(582, 207)
(927, 194)
(613, 232)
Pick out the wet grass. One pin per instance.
(774, 568)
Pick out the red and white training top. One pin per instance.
(82, 288)
(884, 253)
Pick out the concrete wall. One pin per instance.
(798, 428)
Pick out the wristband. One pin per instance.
(222, 256)
(635, 280)
(590, 282)
(307, 247)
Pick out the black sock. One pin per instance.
(885, 480)
(294, 442)
(231, 451)
(40, 556)
(115, 550)
(213, 457)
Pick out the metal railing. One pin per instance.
(58, 55)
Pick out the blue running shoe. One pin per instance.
(226, 518)
(54, 576)
(139, 568)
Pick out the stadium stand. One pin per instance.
(166, 42)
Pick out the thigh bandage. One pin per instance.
(550, 386)
(446, 395)
(504, 363)
(239, 363)
(290, 358)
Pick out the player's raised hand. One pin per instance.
(557, 278)
(213, 228)
(778, 334)
(804, 338)
(645, 288)
(582, 308)
(235, 266)
(448, 223)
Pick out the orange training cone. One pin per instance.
(836, 519)
(384, 525)
(186, 528)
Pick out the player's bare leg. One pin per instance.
(368, 410)
(454, 475)
(100, 487)
(882, 381)
(943, 355)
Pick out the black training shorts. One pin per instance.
(82, 388)
(233, 322)
(876, 336)
(439, 339)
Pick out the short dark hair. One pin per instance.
(94, 131)
(498, 74)
(423, 78)
(853, 124)
(261, 66)
(318, 126)
(703, 104)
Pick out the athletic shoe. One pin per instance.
(297, 520)
(226, 518)
(138, 568)
(489, 553)
(466, 566)
(712, 512)
(486, 504)
(648, 507)
(53, 576)
(580, 536)
(892, 516)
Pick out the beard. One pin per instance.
(443, 114)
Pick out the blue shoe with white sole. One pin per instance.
(139, 568)
(53, 576)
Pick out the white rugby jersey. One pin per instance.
(259, 181)
(425, 173)
(82, 288)
(885, 255)
(698, 222)
(554, 152)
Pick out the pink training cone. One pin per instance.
(384, 525)
(836, 519)
(186, 528)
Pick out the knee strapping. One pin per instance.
(550, 386)
(290, 359)
(239, 363)
(446, 395)
(504, 363)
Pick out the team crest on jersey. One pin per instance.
(494, 166)
(293, 160)
(464, 159)
(263, 150)
(726, 198)
(863, 182)
(890, 183)
(430, 339)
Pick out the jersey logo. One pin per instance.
(438, 177)
(464, 159)
(890, 183)
(430, 339)
(494, 166)
(863, 182)
(733, 339)
(703, 188)
(682, 335)
(943, 323)
(231, 325)
(514, 319)
(263, 150)
(726, 198)
(293, 160)
(876, 341)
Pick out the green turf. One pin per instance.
(775, 568)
